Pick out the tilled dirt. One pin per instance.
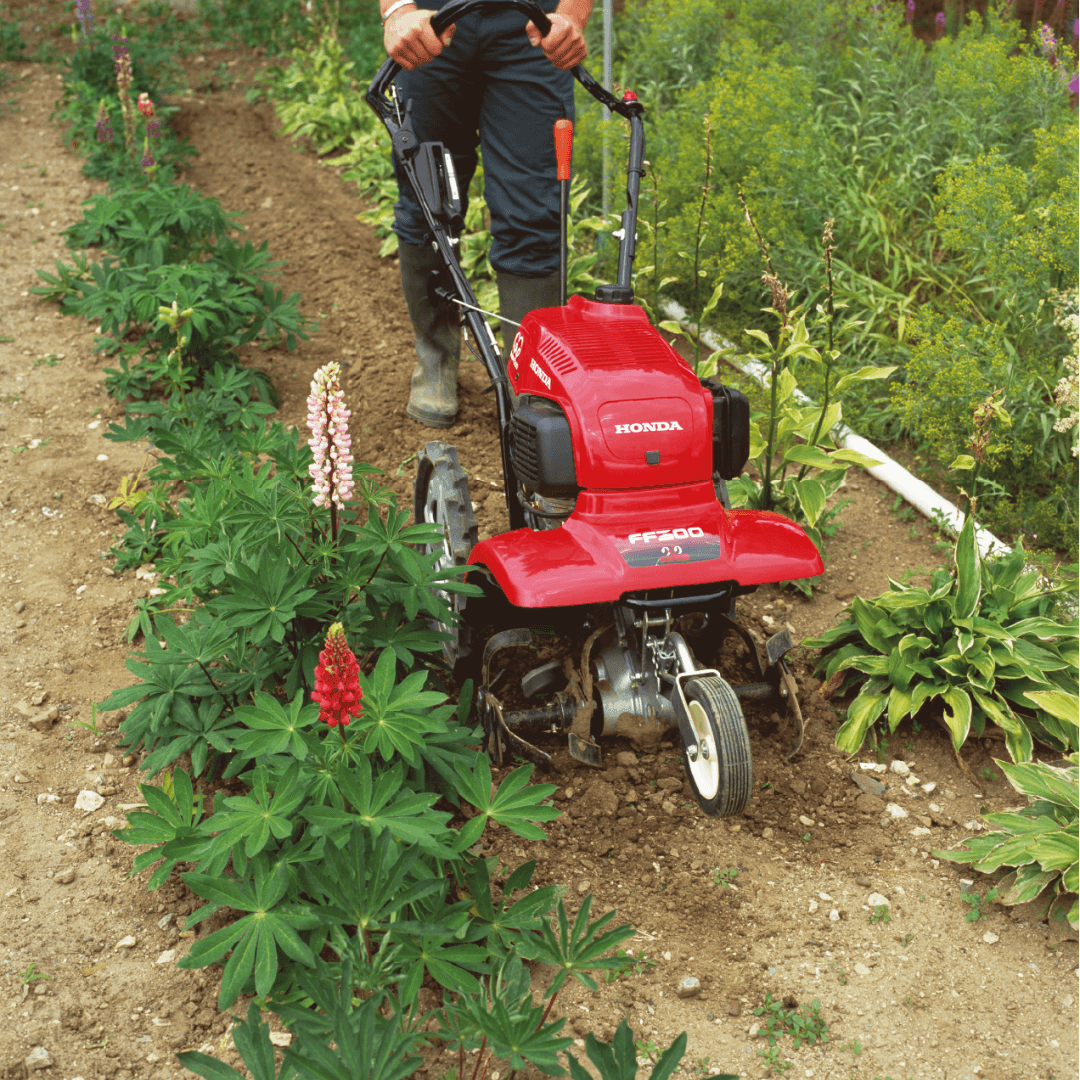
(925, 994)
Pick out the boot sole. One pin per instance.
(431, 420)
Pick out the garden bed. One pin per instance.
(922, 993)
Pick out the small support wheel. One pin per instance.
(442, 498)
(720, 768)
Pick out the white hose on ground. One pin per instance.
(891, 473)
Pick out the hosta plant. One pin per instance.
(1040, 840)
(980, 644)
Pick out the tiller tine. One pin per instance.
(778, 684)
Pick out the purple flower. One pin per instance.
(148, 161)
(1074, 85)
(86, 16)
(121, 58)
(939, 22)
(1047, 41)
(104, 125)
(909, 11)
(153, 128)
(1076, 28)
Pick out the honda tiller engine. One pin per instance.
(614, 459)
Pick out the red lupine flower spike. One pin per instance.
(337, 681)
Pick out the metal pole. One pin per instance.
(605, 189)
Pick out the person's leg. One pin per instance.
(523, 98)
(445, 100)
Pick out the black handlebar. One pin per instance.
(448, 15)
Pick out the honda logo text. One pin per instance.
(658, 425)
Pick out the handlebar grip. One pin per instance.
(450, 13)
(564, 142)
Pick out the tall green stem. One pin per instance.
(698, 305)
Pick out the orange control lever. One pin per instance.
(564, 141)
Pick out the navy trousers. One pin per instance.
(491, 88)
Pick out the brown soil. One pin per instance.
(924, 995)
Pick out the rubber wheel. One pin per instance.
(722, 775)
(442, 498)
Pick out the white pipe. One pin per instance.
(891, 473)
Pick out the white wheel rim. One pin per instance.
(705, 769)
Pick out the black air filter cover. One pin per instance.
(542, 448)
(731, 428)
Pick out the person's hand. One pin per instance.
(565, 44)
(409, 39)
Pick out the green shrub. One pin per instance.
(1040, 840)
(977, 644)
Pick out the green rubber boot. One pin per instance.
(517, 297)
(433, 398)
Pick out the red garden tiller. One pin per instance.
(614, 460)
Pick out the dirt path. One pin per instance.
(924, 995)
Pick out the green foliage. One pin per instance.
(725, 878)
(617, 1060)
(950, 173)
(976, 902)
(12, 46)
(804, 1024)
(975, 644)
(880, 914)
(798, 466)
(315, 96)
(1039, 842)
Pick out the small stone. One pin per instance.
(20, 623)
(895, 811)
(65, 876)
(626, 759)
(861, 969)
(688, 987)
(39, 698)
(868, 784)
(824, 896)
(89, 801)
(899, 767)
(863, 881)
(21, 778)
(834, 915)
(733, 1008)
(20, 606)
(40, 990)
(109, 761)
(125, 943)
(38, 1058)
(929, 786)
(167, 957)
(876, 900)
(47, 799)
(804, 820)
(44, 720)
(281, 1038)
(912, 781)
(66, 668)
(813, 906)
(166, 921)
(766, 834)
(920, 830)
(583, 887)
(990, 937)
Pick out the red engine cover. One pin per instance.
(642, 522)
(624, 541)
(625, 392)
